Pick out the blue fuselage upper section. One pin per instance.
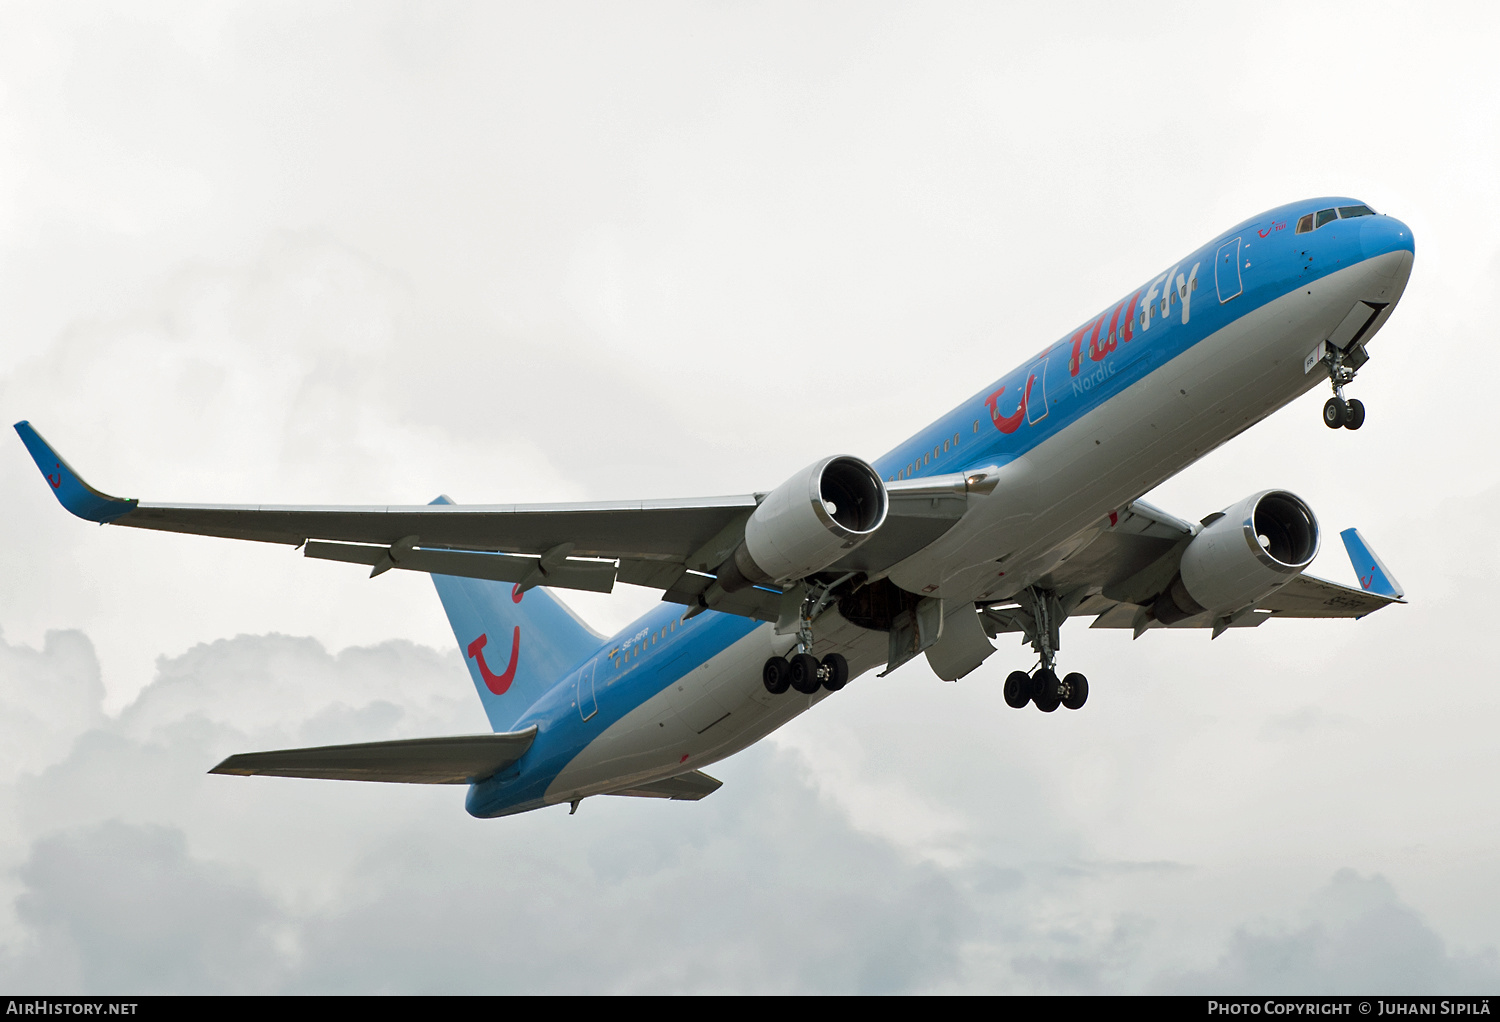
(1241, 270)
(1247, 267)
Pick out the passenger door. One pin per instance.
(588, 705)
(1227, 271)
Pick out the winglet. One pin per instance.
(1373, 575)
(72, 492)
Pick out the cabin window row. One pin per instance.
(620, 658)
(926, 458)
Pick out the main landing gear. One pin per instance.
(1046, 690)
(1043, 614)
(1338, 412)
(805, 673)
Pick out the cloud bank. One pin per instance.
(129, 869)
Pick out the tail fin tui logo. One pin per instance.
(496, 683)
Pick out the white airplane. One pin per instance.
(1012, 513)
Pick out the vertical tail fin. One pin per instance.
(493, 621)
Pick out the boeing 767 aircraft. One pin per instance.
(1016, 511)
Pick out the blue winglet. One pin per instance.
(1373, 574)
(72, 492)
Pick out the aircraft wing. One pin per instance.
(462, 759)
(1304, 596)
(1114, 576)
(670, 545)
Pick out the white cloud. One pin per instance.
(122, 907)
(47, 698)
(1357, 938)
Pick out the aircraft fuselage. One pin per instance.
(1178, 365)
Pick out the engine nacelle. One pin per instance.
(1244, 555)
(807, 523)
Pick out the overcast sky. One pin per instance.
(373, 252)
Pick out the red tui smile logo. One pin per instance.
(496, 683)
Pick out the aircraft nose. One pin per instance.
(1387, 246)
(1379, 235)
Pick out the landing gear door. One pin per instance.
(914, 631)
(1227, 271)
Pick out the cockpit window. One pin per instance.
(1313, 221)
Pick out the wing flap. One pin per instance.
(588, 575)
(460, 759)
(1123, 615)
(752, 601)
(1133, 555)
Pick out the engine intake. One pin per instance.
(807, 523)
(1243, 555)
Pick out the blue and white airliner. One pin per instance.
(1016, 511)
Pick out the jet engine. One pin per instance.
(1242, 556)
(807, 523)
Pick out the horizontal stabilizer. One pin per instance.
(1372, 572)
(682, 788)
(461, 759)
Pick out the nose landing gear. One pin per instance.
(1337, 411)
